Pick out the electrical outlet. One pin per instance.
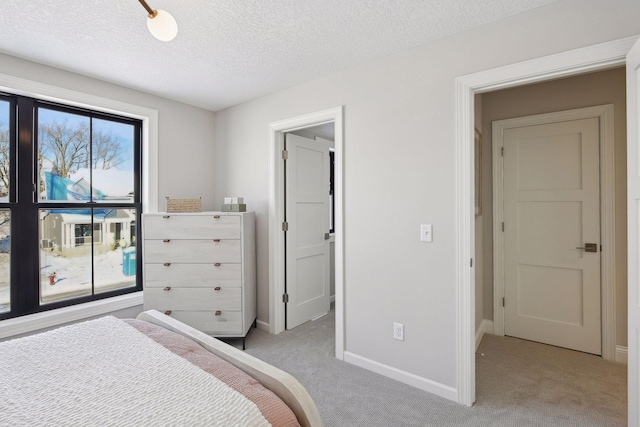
(398, 331)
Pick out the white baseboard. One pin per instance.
(404, 377)
(621, 354)
(486, 327)
(262, 325)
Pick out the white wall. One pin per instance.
(400, 171)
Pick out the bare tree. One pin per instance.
(5, 146)
(65, 146)
(71, 147)
(106, 150)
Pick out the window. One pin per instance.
(70, 205)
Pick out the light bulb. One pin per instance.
(162, 26)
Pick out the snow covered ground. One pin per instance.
(72, 276)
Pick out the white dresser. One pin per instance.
(201, 269)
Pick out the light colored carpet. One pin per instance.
(519, 383)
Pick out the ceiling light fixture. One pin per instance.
(160, 23)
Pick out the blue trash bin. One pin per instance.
(129, 261)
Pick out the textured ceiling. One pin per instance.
(230, 51)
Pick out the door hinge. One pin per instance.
(502, 151)
(285, 154)
(503, 226)
(503, 301)
(285, 298)
(285, 226)
(471, 264)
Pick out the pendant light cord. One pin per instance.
(152, 13)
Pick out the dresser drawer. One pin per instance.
(192, 226)
(191, 251)
(227, 323)
(172, 298)
(192, 275)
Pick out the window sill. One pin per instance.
(47, 319)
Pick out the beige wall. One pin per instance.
(399, 149)
(606, 87)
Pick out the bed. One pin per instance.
(153, 370)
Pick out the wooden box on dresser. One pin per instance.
(201, 269)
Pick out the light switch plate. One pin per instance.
(426, 233)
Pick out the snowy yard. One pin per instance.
(72, 276)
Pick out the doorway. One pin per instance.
(590, 59)
(277, 274)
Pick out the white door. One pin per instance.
(633, 209)
(551, 209)
(307, 240)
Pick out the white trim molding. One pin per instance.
(262, 325)
(604, 114)
(588, 59)
(422, 383)
(276, 217)
(486, 327)
(48, 319)
(621, 354)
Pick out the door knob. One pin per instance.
(589, 247)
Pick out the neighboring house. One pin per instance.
(72, 232)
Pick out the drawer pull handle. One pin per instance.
(218, 313)
(217, 264)
(217, 288)
(216, 240)
(166, 216)
(166, 240)
(168, 288)
(168, 312)
(216, 216)
(167, 264)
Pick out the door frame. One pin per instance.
(277, 271)
(607, 215)
(573, 62)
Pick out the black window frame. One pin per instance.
(24, 205)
